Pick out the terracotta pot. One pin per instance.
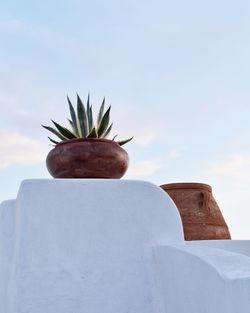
(87, 158)
(200, 214)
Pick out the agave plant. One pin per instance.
(82, 123)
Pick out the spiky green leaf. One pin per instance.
(93, 133)
(100, 113)
(71, 124)
(123, 142)
(64, 131)
(55, 132)
(75, 125)
(88, 104)
(104, 123)
(82, 117)
(53, 141)
(89, 115)
(107, 131)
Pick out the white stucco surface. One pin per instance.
(198, 279)
(7, 231)
(237, 246)
(85, 245)
(112, 246)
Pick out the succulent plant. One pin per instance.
(82, 123)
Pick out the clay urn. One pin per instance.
(200, 214)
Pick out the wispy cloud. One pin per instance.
(16, 149)
(25, 105)
(231, 180)
(144, 168)
(11, 25)
(235, 166)
(144, 126)
(144, 137)
(149, 167)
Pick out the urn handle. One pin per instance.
(205, 200)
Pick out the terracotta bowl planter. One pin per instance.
(200, 214)
(87, 158)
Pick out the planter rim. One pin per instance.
(190, 185)
(83, 140)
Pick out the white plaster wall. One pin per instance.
(201, 279)
(84, 246)
(7, 231)
(112, 246)
(237, 246)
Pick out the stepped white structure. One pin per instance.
(112, 246)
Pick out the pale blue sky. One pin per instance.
(175, 72)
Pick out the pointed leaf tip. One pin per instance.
(123, 142)
(54, 131)
(64, 131)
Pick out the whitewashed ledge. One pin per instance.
(112, 246)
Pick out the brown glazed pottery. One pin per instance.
(200, 214)
(87, 158)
